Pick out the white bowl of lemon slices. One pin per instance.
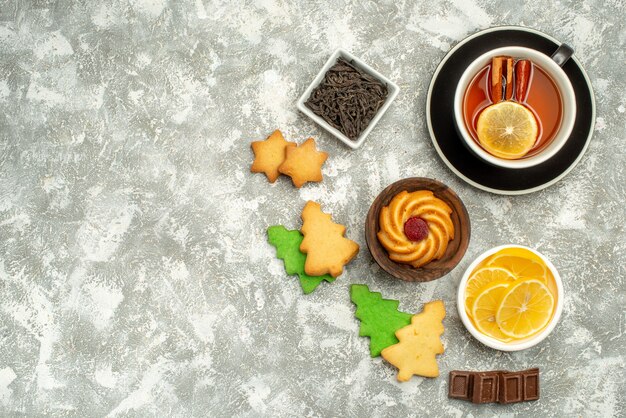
(510, 298)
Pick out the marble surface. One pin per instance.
(135, 276)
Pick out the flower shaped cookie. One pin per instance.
(403, 228)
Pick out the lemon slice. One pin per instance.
(485, 308)
(507, 130)
(525, 309)
(482, 277)
(521, 267)
(519, 252)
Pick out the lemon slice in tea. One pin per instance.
(507, 130)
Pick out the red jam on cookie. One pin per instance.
(416, 229)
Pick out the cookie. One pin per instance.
(419, 344)
(287, 244)
(380, 318)
(303, 163)
(415, 228)
(270, 154)
(326, 249)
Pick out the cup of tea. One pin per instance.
(515, 107)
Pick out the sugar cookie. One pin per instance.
(287, 244)
(380, 318)
(419, 344)
(270, 154)
(324, 243)
(303, 163)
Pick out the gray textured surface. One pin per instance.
(135, 277)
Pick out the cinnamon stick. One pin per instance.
(509, 79)
(522, 78)
(496, 79)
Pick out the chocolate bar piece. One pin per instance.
(494, 386)
(485, 387)
(461, 385)
(531, 384)
(511, 388)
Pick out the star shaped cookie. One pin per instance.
(303, 163)
(270, 154)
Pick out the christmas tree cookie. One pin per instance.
(287, 244)
(324, 243)
(379, 317)
(419, 344)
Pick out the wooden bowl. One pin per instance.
(456, 248)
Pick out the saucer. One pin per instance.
(449, 145)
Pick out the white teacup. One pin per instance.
(552, 66)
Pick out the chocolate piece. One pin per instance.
(347, 98)
(485, 387)
(510, 388)
(494, 386)
(531, 384)
(461, 385)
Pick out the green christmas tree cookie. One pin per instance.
(287, 245)
(380, 318)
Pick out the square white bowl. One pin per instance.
(392, 89)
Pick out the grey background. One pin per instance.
(135, 276)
